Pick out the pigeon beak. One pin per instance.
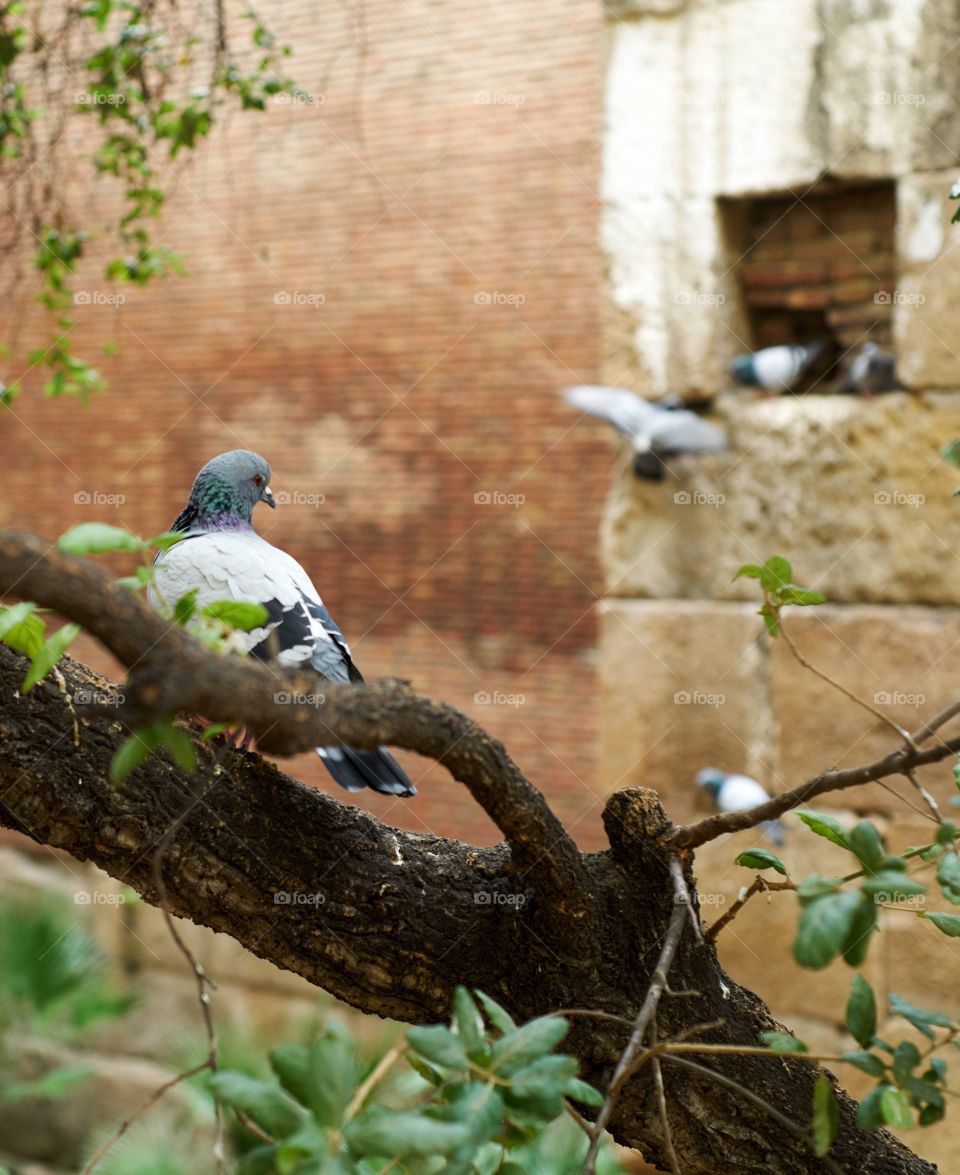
(267, 496)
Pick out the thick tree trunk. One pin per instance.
(400, 919)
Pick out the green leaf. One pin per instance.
(163, 542)
(869, 1112)
(498, 1016)
(948, 923)
(761, 859)
(132, 752)
(823, 929)
(947, 833)
(861, 1019)
(49, 654)
(783, 1042)
(750, 571)
(826, 1115)
(906, 1057)
(438, 1045)
(948, 875)
(213, 730)
(895, 1108)
(918, 1017)
(186, 606)
(55, 1084)
(776, 573)
(825, 826)
(867, 1062)
(21, 629)
(864, 840)
(862, 926)
(322, 1076)
(802, 597)
(580, 1091)
(266, 1104)
(181, 749)
(95, 538)
(771, 618)
(814, 887)
(533, 1039)
(469, 1025)
(397, 1134)
(238, 614)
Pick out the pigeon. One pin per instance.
(776, 369)
(656, 430)
(735, 793)
(871, 370)
(222, 557)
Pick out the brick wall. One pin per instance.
(453, 245)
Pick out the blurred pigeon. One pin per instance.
(871, 370)
(656, 430)
(735, 793)
(776, 369)
(223, 558)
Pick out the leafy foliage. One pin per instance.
(776, 581)
(488, 1091)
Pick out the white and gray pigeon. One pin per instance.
(222, 557)
(736, 793)
(776, 369)
(656, 430)
(871, 371)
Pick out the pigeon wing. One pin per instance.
(625, 411)
(682, 431)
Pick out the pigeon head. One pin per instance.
(711, 780)
(743, 371)
(225, 492)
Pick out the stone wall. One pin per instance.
(716, 111)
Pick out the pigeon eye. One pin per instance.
(258, 480)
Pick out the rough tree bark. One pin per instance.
(399, 924)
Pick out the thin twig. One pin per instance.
(595, 1014)
(930, 728)
(587, 1127)
(373, 1078)
(758, 885)
(648, 1009)
(145, 1105)
(742, 1090)
(924, 794)
(885, 718)
(662, 1107)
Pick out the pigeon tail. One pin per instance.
(648, 465)
(354, 770)
(776, 834)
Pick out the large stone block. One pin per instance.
(682, 687)
(852, 491)
(898, 659)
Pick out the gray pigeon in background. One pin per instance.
(871, 371)
(221, 557)
(736, 793)
(776, 369)
(656, 431)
